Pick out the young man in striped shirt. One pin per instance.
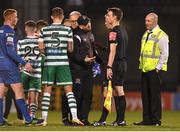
(56, 40)
(28, 50)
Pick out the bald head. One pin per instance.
(151, 21)
(75, 13)
(154, 16)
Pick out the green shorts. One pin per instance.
(31, 83)
(58, 75)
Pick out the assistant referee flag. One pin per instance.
(108, 100)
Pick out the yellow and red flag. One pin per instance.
(108, 100)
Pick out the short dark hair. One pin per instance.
(31, 25)
(41, 23)
(83, 20)
(116, 12)
(57, 12)
(8, 12)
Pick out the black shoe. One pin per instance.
(99, 123)
(142, 123)
(114, 123)
(121, 123)
(41, 122)
(28, 123)
(156, 123)
(86, 123)
(66, 122)
(34, 120)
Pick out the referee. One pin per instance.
(116, 65)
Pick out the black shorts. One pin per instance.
(119, 71)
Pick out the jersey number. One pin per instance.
(28, 50)
(55, 35)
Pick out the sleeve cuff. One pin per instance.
(159, 67)
(23, 63)
(40, 40)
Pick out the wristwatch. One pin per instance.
(109, 67)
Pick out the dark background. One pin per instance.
(134, 14)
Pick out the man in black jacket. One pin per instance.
(81, 61)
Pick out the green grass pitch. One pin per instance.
(170, 122)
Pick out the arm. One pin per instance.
(14, 56)
(164, 52)
(112, 52)
(11, 50)
(12, 53)
(41, 45)
(77, 54)
(19, 48)
(111, 60)
(70, 45)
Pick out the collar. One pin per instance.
(154, 29)
(31, 36)
(56, 23)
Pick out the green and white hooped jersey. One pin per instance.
(28, 50)
(56, 38)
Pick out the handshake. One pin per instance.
(89, 59)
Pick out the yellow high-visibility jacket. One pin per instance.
(150, 51)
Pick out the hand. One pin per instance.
(41, 47)
(28, 67)
(109, 73)
(89, 59)
(157, 70)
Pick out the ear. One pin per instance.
(62, 17)
(115, 17)
(26, 28)
(52, 17)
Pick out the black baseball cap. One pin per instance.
(83, 20)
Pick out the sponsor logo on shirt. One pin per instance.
(10, 41)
